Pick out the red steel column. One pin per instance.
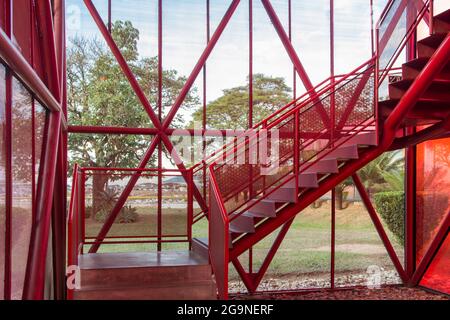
(410, 184)
(379, 226)
(8, 160)
(36, 267)
(332, 128)
(160, 146)
(250, 64)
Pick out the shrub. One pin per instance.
(102, 215)
(126, 215)
(391, 207)
(88, 212)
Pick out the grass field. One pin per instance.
(305, 250)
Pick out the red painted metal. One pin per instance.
(387, 35)
(44, 17)
(36, 267)
(8, 184)
(160, 93)
(292, 54)
(14, 59)
(202, 60)
(379, 226)
(271, 254)
(161, 127)
(218, 238)
(333, 239)
(51, 31)
(410, 189)
(160, 237)
(72, 226)
(250, 63)
(431, 251)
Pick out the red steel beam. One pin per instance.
(410, 217)
(431, 252)
(153, 117)
(434, 132)
(247, 278)
(293, 56)
(271, 254)
(22, 69)
(123, 197)
(44, 19)
(8, 16)
(36, 267)
(59, 211)
(391, 125)
(379, 226)
(201, 62)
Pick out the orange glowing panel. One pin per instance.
(433, 191)
(437, 276)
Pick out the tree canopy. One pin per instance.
(100, 95)
(230, 111)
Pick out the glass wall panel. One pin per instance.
(438, 275)
(361, 257)
(2, 180)
(40, 116)
(433, 185)
(22, 169)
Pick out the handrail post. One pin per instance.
(190, 206)
(431, 24)
(83, 205)
(377, 85)
(297, 153)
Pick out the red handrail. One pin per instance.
(73, 227)
(218, 237)
(298, 112)
(160, 237)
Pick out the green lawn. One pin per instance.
(305, 250)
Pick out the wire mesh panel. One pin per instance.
(259, 164)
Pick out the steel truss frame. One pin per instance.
(48, 20)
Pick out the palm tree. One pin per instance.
(374, 174)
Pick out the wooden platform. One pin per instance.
(145, 276)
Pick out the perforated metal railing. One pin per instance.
(306, 100)
(292, 143)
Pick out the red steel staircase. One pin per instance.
(318, 141)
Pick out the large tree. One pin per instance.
(100, 95)
(230, 111)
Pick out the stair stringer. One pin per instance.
(289, 211)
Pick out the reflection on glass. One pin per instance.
(22, 168)
(40, 116)
(433, 183)
(438, 275)
(2, 180)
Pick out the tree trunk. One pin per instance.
(339, 199)
(99, 183)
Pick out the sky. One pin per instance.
(184, 36)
